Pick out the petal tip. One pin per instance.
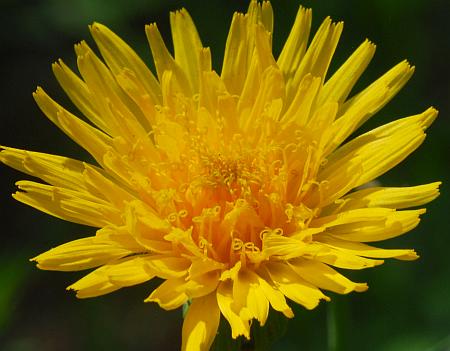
(361, 287)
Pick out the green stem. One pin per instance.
(333, 327)
(337, 320)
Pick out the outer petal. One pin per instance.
(240, 44)
(393, 80)
(318, 55)
(119, 55)
(117, 110)
(55, 170)
(302, 103)
(111, 277)
(249, 297)
(225, 300)
(167, 267)
(361, 249)
(380, 149)
(295, 46)
(340, 84)
(169, 295)
(293, 286)
(276, 298)
(398, 197)
(172, 293)
(187, 46)
(91, 139)
(201, 324)
(324, 277)
(394, 225)
(164, 60)
(370, 224)
(343, 259)
(79, 93)
(81, 254)
(70, 205)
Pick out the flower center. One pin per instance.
(230, 192)
(234, 198)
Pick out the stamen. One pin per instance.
(237, 244)
(251, 247)
(266, 231)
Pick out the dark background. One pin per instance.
(408, 304)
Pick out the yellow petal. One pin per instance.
(240, 64)
(91, 139)
(202, 285)
(338, 87)
(173, 292)
(200, 324)
(183, 238)
(225, 301)
(127, 175)
(364, 105)
(324, 277)
(352, 216)
(301, 106)
(121, 236)
(263, 47)
(276, 298)
(342, 259)
(360, 249)
(187, 46)
(293, 286)
(147, 227)
(118, 55)
(348, 122)
(295, 46)
(67, 204)
(97, 181)
(271, 90)
(168, 267)
(267, 16)
(237, 55)
(80, 254)
(170, 294)
(204, 265)
(135, 90)
(369, 224)
(282, 247)
(110, 277)
(381, 149)
(164, 62)
(393, 80)
(232, 272)
(394, 224)
(211, 90)
(329, 190)
(318, 55)
(319, 128)
(79, 93)
(56, 170)
(390, 197)
(118, 111)
(249, 298)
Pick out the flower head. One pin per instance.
(238, 189)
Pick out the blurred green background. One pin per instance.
(408, 304)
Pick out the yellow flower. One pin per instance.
(238, 189)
